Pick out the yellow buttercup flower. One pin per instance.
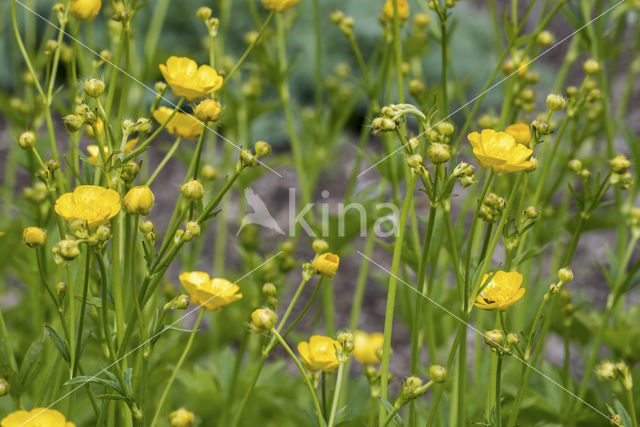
(211, 293)
(188, 80)
(319, 354)
(92, 204)
(367, 347)
(387, 11)
(85, 10)
(521, 132)
(326, 264)
(501, 292)
(279, 5)
(500, 151)
(181, 418)
(182, 125)
(37, 417)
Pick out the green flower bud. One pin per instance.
(555, 102)
(4, 387)
(27, 140)
(94, 88)
(73, 122)
(263, 319)
(565, 275)
(620, 164)
(439, 153)
(494, 338)
(269, 289)
(193, 191)
(320, 246)
(204, 13)
(262, 148)
(591, 66)
(68, 249)
(438, 374)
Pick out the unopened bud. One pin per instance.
(575, 165)
(513, 339)
(336, 17)
(494, 338)
(620, 164)
(204, 13)
(320, 246)
(61, 289)
(591, 66)
(193, 228)
(68, 249)
(34, 236)
(73, 122)
(414, 161)
(208, 110)
(209, 172)
(565, 275)
(4, 387)
(192, 190)
(263, 319)
(94, 88)
(269, 290)
(262, 148)
(555, 102)
(248, 159)
(438, 374)
(27, 140)
(439, 153)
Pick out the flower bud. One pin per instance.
(336, 17)
(146, 227)
(591, 66)
(545, 38)
(494, 338)
(531, 212)
(409, 387)
(68, 249)
(417, 88)
(488, 122)
(129, 171)
(320, 246)
(34, 237)
(345, 338)
(421, 20)
(27, 140)
(94, 88)
(61, 289)
(438, 374)
(209, 172)
(103, 233)
(269, 290)
(263, 319)
(193, 228)
(139, 200)
(513, 339)
(565, 275)
(208, 110)
(4, 387)
(181, 418)
(555, 102)
(204, 13)
(606, 371)
(414, 161)
(445, 128)
(50, 47)
(143, 125)
(182, 302)
(326, 264)
(616, 420)
(439, 153)
(193, 190)
(346, 26)
(620, 164)
(248, 159)
(73, 122)
(575, 165)
(262, 148)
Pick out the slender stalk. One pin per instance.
(336, 395)
(498, 402)
(83, 306)
(305, 377)
(172, 378)
(164, 161)
(255, 41)
(632, 406)
(391, 295)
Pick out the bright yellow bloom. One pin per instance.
(499, 151)
(37, 417)
(92, 204)
(210, 293)
(521, 132)
(501, 292)
(34, 236)
(387, 11)
(85, 10)
(182, 125)
(367, 346)
(279, 5)
(188, 80)
(326, 264)
(138, 200)
(319, 354)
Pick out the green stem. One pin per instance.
(83, 306)
(249, 48)
(312, 391)
(336, 395)
(632, 406)
(391, 295)
(164, 161)
(498, 403)
(172, 378)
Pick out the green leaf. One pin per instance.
(31, 362)
(626, 419)
(60, 343)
